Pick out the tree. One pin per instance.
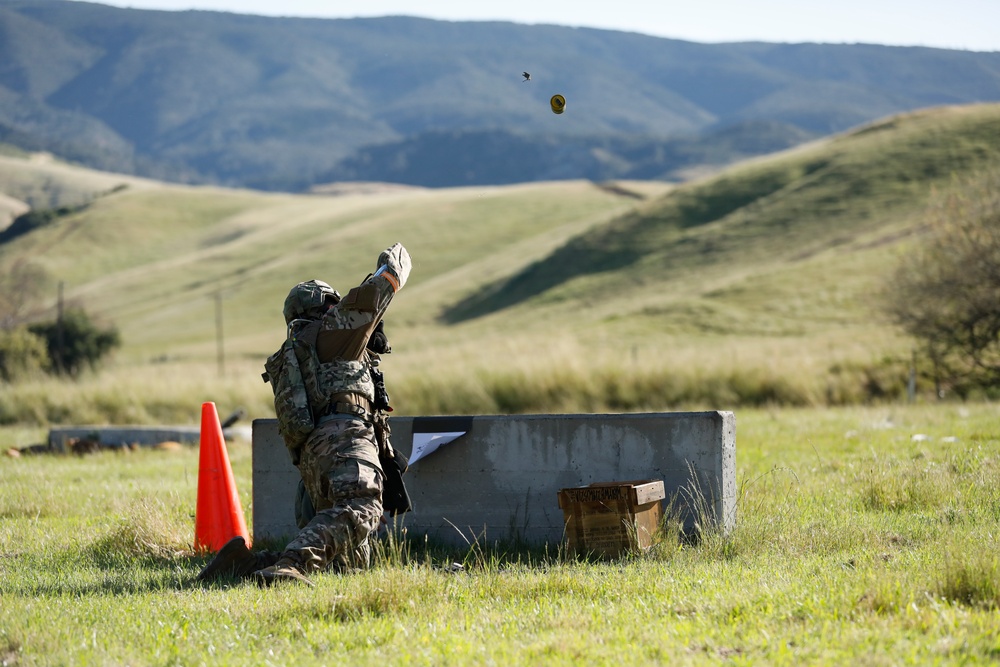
(74, 341)
(946, 294)
(20, 287)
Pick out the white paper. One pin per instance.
(427, 443)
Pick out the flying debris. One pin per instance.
(558, 104)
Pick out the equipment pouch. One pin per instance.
(291, 402)
(364, 298)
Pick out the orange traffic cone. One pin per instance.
(219, 516)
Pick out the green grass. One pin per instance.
(767, 219)
(854, 543)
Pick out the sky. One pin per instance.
(952, 24)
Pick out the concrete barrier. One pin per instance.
(121, 436)
(500, 481)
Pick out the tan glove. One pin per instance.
(397, 260)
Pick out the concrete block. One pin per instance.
(501, 480)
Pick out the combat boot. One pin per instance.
(234, 559)
(280, 572)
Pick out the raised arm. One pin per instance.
(348, 325)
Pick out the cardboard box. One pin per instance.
(609, 519)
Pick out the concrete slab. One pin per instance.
(501, 480)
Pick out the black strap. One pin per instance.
(345, 408)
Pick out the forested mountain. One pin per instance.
(289, 103)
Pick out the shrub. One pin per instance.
(22, 354)
(74, 341)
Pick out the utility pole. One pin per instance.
(60, 338)
(218, 334)
(911, 386)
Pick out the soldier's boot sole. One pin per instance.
(270, 576)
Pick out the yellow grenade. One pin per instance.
(558, 103)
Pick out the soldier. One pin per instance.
(329, 379)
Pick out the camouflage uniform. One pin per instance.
(339, 461)
(341, 471)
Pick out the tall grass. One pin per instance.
(148, 394)
(491, 377)
(172, 395)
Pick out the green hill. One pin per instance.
(773, 214)
(755, 284)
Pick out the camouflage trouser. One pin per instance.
(340, 469)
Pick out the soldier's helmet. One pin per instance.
(309, 299)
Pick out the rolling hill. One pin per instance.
(837, 195)
(771, 265)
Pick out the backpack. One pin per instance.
(284, 372)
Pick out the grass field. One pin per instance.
(864, 536)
